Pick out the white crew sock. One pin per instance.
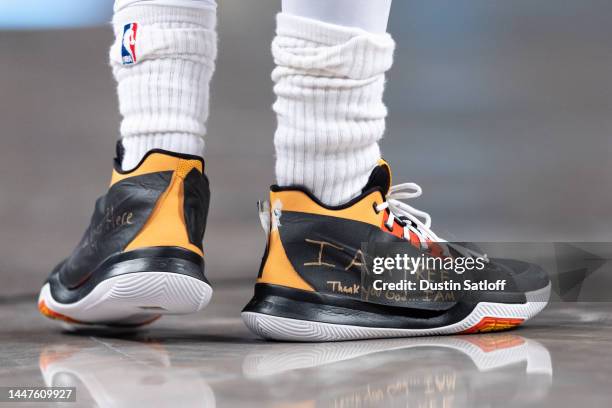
(329, 83)
(163, 80)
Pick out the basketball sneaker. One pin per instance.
(310, 283)
(141, 255)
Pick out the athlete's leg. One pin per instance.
(163, 59)
(370, 15)
(142, 254)
(329, 81)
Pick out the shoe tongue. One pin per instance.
(380, 177)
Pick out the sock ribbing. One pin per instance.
(164, 92)
(329, 82)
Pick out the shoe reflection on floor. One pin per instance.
(107, 376)
(477, 370)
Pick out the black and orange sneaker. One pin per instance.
(310, 284)
(142, 255)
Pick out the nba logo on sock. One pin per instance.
(128, 46)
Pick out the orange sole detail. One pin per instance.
(58, 316)
(54, 315)
(491, 324)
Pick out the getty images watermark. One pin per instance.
(398, 274)
(393, 273)
(423, 266)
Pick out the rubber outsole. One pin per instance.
(485, 317)
(130, 299)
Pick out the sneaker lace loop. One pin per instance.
(401, 211)
(414, 220)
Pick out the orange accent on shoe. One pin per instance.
(414, 240)
(489, 324)
(435, 249)
(166, 224)
(154, 163)
(44, 309)
(493, 342)
(397, 230)
(362, 211)
(54, 315)
(278, 269)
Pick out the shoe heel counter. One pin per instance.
(317, 244)
(179, 216)
(196, 202)
(275, 268)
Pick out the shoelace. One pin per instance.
(402, 212)
(420, 221)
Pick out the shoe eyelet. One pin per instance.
(374, 205)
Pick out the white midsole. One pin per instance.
(282, 328)
(134, 297)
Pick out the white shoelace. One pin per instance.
(403, 212)
(400, 210)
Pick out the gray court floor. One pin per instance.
(562, 358)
